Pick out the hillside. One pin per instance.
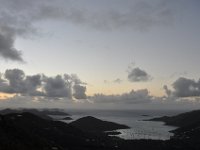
(188, 130)
(22, 131)
(181, 120)
(96, 125)
(41, 113)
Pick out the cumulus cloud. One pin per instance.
(79, 91)
(57, 87)
(183, 90)
(32, 84)
(133, 97)
(15, 81)
(66, 86)
(7, 49)
(19, 18)
(184, 87)
(138, 75)
(42, 91)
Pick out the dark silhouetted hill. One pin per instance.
(188, 131)
(27, 131)
(54, 112)
(41, 113)
(67, 118)
(96, 125)
(23, 131)
(181, 120)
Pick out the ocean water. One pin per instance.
(133, 118)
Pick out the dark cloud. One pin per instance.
(7, 49)
(140, 15)
(134, 14)
(15, 81)
(43, 91)
(32, 83)
(138, 75)
(184, 87)
(167, 90)
(79, 91)
(57, 87)
(15, 78)
(133, 97)
(19, 18)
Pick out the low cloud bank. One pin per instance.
(14, 81)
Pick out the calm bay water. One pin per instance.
(133, 118)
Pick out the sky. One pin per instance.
(110, 53)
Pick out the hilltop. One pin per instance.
(92, 124)
(22, 131)
(181, 120)
(44, 113)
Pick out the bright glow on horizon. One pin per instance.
(4, 96)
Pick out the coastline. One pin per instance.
(139, 129)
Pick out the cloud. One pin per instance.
(32, 84)
(184, 87)
(134, 14)
(19, 101)
(183, 90)
(58, 91)
(57, 87)
(118, 80)
(19, 18)
(133, 97)
(178, 74)
(66, 86)
(15, 81)
(79, 91)
(138, 75)
(141, 15)
(7, 49)
(167, 91)
(23, 17)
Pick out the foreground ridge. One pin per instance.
(22, 131)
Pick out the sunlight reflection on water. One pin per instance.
(139, 129)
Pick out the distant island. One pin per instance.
(92, 124)
(145, 115)
(67, 118)
(44, 113)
